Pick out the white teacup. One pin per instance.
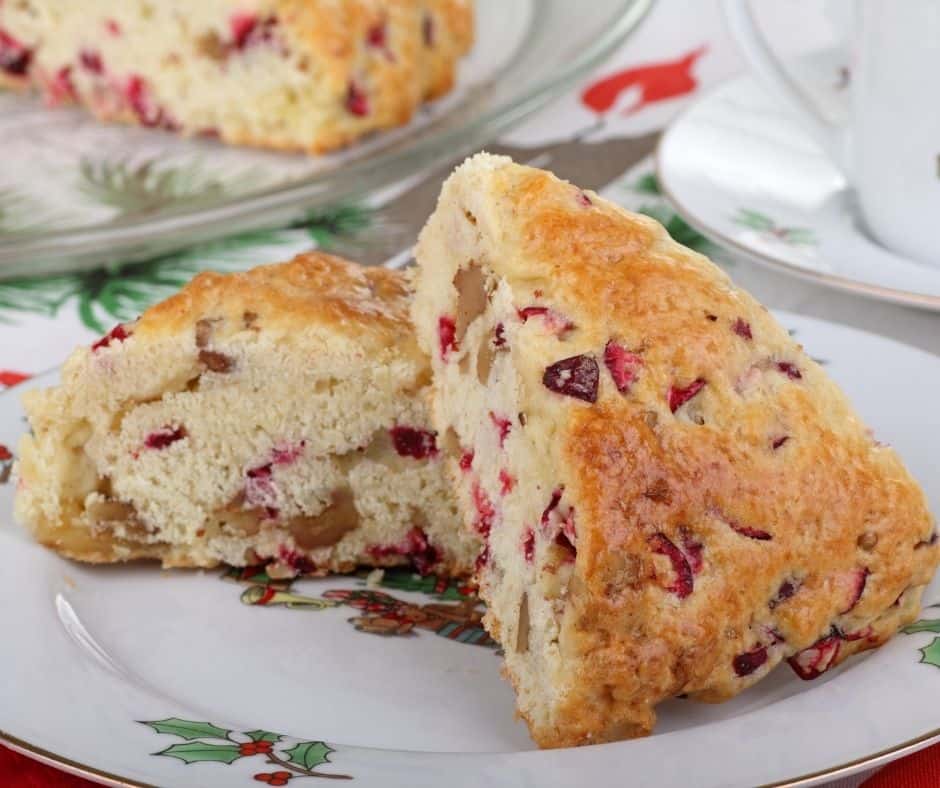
(889, 149)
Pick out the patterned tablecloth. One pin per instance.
(600, 135)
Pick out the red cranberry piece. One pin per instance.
(295, 560)
(552, 505)
(61, 89)
(165, 436)
(91, 61)
(858, 582)
(790, 370)
(584, 200)
(710, 317)
(376, 36)
(678, 396)
(684, 583)
(427, 30)
(485, 511)
(357, 103)
(241, 27)
(624, 366)
(745, 530)
(116, 334)
(415, 546)
(285, 455)
(745, 664)
(692, 549)
(259, 487)
(411, 442)
(742, 328)
(148, 113)
(466, 460)
(499, 335)
(447, 335)
(787, 589)
(482, 559)
(812, 662)
(112, 27)
(506, 482)
(554, 321)
(576, 377)
(776, 443)
(15, 57)
(861, 634)
(528, 545)
(503, 427)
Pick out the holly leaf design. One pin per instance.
(924, 625)
(930, 654)
(260, 735)
(187, 729)
(309, 754)
(647, 184)
(200, 751)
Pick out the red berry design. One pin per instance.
(576, 377)
(447, 335)
(678, 395)
(116, 334)
(412, 442)
(165, 436)
(742, 328)
(624, 366)
(683, 584)
(5, 453)
(254, 748)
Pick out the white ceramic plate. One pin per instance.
(125, 674)
(739, 168)
(75, 193)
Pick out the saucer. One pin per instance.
(740, 169)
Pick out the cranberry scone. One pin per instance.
(673, 497)
(277, 416)
(310, 75)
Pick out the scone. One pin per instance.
(673, 496)
(275, 417)
(309, 75)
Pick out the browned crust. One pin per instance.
(629, 642)
(369, 305)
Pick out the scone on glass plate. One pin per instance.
(274, 417)
(309, 75)
(673, 497)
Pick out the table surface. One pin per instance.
(680, 50)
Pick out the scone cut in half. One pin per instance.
(673, 496)
(274, 417)
(309, 75)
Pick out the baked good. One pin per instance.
(277, 416)
(309, 75)
(673, 496)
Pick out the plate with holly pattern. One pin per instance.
(131, 675)
(739, 167)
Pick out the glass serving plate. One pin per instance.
(75, 193)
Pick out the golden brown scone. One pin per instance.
(310, 75)
(673, 496)
(277, 416)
